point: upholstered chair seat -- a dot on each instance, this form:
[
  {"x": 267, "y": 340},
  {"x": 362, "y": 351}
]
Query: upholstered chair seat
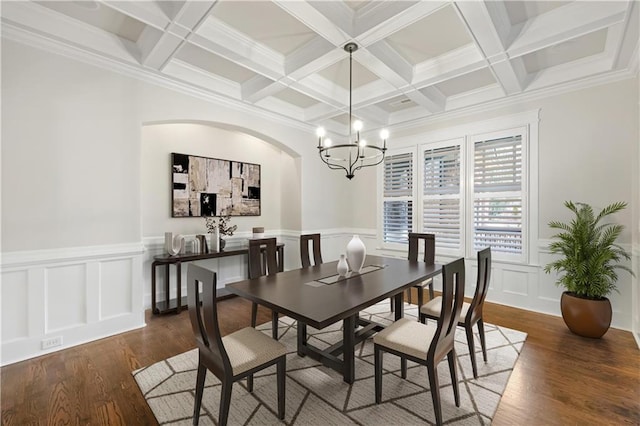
[
  {"x": 249, "y": 348},
  {"x": 401, "y": 336},
  {"x": 432, "y": 308}
]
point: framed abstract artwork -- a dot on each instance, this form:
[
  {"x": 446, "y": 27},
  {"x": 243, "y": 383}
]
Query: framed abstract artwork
[{"x": 213, "y": 187}]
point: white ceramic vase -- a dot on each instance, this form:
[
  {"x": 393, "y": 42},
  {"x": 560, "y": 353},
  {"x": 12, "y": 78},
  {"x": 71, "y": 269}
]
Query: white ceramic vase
[
  {"x": 356, "y": 252},
  {"x": 214, "y": 244},
  {"x": 343, "y": 267},
  {"x": 173, "y": 245}
]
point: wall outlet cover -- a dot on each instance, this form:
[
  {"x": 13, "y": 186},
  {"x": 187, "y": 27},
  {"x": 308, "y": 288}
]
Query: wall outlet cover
[{"x": 51, "y": 342}]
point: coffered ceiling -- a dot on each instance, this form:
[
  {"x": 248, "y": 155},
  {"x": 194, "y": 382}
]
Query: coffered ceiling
[{"x": 417, "y": 59}]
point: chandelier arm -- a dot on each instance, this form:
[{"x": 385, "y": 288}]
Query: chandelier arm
[{"x": 333, "y": 166}]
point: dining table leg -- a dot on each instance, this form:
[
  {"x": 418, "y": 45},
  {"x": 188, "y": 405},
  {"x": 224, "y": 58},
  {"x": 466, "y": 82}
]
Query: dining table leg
[
  {"x": 399, "y": 305},
  {"x": 348, "y": 354},
  {"x": 302, "y": 338}
]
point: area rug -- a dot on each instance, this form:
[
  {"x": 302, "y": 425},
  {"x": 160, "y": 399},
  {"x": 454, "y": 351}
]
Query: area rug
[{"x": 316, "y": 395}]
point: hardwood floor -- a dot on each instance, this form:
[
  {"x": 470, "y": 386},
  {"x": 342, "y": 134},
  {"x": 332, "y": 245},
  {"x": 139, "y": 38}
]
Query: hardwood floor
[{"x": 559, "y": 378}]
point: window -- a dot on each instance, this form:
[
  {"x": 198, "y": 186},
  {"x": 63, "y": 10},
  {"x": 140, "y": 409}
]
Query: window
[
  {"x": 474, "y": 191},
  {"x": 397, "y": 210},
  {"x": 498, "y": 201},
  {"x": 442, "y": 198}
]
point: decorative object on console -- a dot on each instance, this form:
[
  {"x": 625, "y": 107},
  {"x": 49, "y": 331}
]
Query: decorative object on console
[
  {"x": 356, "y": 253},
  {"x": 220, "y": 227},
  {"x": 210, "y": 186},
  {"x": 355, "y": 153},
  {"x": 202, "y": 245},
  {"x": 589, "y": 259},
  {"x": 173, "y": 245},
  {"x": 343, "y": 267},
  {"x": 258, "y": 232}
]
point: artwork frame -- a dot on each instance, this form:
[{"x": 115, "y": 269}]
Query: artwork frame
[{"x": 205, "y": 186}]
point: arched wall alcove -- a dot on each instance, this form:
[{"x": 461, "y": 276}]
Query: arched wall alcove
[{"x": 280, "y": 174}]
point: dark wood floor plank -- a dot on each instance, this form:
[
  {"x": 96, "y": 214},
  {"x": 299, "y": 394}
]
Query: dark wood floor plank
[{"x": 558, "y": 379}]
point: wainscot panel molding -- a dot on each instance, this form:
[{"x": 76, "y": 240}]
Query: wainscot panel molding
[
  {"x": 56, "y": 299},
  {"x": 528, "y": 286}
]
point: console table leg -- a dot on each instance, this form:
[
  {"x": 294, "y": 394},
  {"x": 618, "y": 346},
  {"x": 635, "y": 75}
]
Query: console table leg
[
  {"x": 154, "y": 307},
  {"x": 167, "y": 278},
  {"x": 179, "y": 288}
]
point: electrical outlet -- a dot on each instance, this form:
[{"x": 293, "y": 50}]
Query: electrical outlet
[{"x": 51, "y": 342}]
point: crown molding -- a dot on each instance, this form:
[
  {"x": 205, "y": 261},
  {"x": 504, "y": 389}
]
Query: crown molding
[
  {"x": 519, "y": 98},
  {"x": 21, "y": 35},
  {"x": 38, "y": 41}
]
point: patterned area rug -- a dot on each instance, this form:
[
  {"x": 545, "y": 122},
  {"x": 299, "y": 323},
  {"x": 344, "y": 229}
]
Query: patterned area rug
[{"x": 316, "y": 395}]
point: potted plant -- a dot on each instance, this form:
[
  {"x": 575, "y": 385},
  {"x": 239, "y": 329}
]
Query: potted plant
[{"x": 589, "y": 260}]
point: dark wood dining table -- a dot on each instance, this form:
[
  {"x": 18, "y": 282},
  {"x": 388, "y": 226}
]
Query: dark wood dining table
[{"x": 317, "y": 297}]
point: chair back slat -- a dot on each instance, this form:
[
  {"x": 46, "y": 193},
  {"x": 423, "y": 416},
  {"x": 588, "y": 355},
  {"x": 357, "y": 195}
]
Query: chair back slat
[
  {"x": 204, "y": 321},
  {"x": 263, "y": 258},
  {"x": 482, "y": 286},
  {"x": 429, "y": 247},
  {"x": 305, "y": 258},
  {"x": 452, "y": 300}
]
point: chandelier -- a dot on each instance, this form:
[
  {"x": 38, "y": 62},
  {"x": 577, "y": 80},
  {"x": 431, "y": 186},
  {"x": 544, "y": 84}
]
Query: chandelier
[{"x": 356, "y": 153}]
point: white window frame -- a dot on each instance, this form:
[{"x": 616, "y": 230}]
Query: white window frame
[
  {"x": 407, "y": 150},
  {"x": 471, "y": 194},
  {"x": 463, "y": 184},
  {"x": 527, "y": 124}
]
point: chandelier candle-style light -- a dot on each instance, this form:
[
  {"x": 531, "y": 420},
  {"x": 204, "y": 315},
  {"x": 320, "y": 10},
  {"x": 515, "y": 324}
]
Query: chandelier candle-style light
[{"x": 356, "y": 153}]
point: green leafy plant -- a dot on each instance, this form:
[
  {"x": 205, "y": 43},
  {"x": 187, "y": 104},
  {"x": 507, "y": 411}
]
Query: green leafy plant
[{"x": 590, "y": 256}]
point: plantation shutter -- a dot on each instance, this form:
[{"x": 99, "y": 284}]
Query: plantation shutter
[
  {"x": 441, "y": 214},
  {"x": 397, "y": 198},
  {"x": 498, "y": 197}
]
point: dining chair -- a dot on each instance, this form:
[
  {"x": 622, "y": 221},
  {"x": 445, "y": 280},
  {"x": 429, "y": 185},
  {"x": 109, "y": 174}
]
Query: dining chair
[
  {"x": 426, "y": 344},
  {"x": 471, "y": 313},
  {"x": 263, "y": 260},
  {"x": 428, "y": 243},
  {"x": 305, "y": 259},
  {"x": 232, "y": 357}
]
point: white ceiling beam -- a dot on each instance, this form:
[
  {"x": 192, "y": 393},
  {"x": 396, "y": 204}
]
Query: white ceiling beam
[
  {"x": 148, "y": 12},
  {"x": 338, "y": 13},
  {"x": 259, "y": 87},
  {"x": 566, "y": 22},
  {"x": 379, "y": 22},
  {"x": 372, "y": 116},
  {"x": 311, "y": 58},
  {"x": 314, "y": 19},
  {"x": 448, "y": 65},
  {"x": 386, "y": 63},
  {"x": 56, "y": 26},
  {"x": 628, "y": 46},
  {"x": 571, "y": 71},
  {"x": 430, "y": 98},
  {"x": 217, "y": 37},
  {"x": 319, "y": 112},
  {"x": 475, "y": 97},
  {"x": 195, "y": 76},
  {"x": 489, "y": 26}
]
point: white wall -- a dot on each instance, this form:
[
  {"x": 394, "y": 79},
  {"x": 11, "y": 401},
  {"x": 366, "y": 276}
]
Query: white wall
[{"x": 72, "y": 234}]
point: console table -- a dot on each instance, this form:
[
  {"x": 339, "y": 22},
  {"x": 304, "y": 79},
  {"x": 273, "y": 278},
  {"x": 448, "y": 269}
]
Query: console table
[{"x": 166, "y": 260}]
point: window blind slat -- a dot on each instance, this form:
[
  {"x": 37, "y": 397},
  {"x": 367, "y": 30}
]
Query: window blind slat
[{"x": 398, "y": 182}]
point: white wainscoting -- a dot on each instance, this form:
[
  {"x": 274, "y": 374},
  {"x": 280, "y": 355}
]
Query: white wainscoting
[
  {"x": 77, "y": 294},
  {"x": 527, "y": 286}
]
